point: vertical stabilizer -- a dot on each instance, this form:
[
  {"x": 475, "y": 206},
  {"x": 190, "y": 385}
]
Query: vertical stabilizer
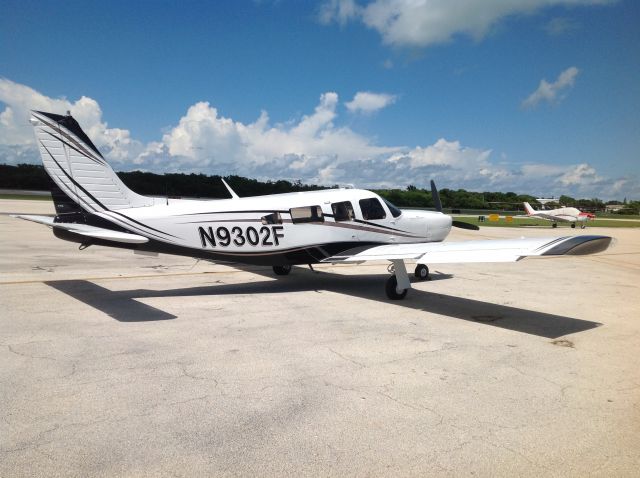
[
  {"x": 529, "y": 209},
  {"x": 77, "y": 168}
]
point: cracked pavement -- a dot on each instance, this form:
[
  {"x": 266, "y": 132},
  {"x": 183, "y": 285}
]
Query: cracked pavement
[{"x": 115, "y": 364}]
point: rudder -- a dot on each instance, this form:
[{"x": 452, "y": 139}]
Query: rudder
[{"x": 77, "y": 168}]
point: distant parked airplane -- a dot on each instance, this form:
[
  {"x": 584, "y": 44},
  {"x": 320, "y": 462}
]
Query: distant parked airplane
[{"x": 562, "y": 214}]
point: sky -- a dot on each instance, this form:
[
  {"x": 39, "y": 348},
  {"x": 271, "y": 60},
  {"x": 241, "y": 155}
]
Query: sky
[{"x": 532, "y": 96}]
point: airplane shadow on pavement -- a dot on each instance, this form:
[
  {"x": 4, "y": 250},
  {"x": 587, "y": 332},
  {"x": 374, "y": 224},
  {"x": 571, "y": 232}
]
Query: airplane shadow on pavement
[{"x": 123, "y": 306}]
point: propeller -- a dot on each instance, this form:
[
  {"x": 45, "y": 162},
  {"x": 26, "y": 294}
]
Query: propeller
[{"x": 438, "y": 205}]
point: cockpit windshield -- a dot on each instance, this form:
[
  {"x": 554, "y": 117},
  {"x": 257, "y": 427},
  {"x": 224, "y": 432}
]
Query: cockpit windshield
[{"x": 395, "y": 212}]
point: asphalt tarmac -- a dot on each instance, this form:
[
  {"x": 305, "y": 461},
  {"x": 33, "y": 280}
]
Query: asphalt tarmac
[{"x": 116, "y": 364}]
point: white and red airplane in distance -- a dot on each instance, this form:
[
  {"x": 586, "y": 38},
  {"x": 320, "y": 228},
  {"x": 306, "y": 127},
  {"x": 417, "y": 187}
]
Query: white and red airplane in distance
[
  {"x": 562, "y": 214},
  {"x": 94, "y": 207}
]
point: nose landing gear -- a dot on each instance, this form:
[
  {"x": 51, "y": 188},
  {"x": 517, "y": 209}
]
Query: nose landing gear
[
  {"x": 421, "y": 272},
  {"x": 281, "y": 270}
]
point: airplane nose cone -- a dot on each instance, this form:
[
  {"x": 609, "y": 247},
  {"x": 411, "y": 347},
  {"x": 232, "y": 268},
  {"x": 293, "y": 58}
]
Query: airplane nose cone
[{"x": 434, "y": 226}]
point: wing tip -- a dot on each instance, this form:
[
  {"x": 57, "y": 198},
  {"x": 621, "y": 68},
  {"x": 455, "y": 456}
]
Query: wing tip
[{"x": 580, "y": 246}]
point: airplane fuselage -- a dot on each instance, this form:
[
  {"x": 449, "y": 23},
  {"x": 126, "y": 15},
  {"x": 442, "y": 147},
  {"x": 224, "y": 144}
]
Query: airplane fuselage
[
  {"x": 292, "y": 228},
  {"x": 562, "y": 214}
]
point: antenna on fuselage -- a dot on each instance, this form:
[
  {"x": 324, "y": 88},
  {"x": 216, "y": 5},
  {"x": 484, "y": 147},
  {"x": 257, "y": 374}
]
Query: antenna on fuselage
[{"x": 231, "y": 191}]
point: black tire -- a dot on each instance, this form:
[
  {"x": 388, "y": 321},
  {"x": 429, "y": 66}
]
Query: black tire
[
  {"x": 390, "y": 289},
  {"x": 421, "y": 272},
  {"x": 573, "y": 225},
  {"x": 281, "y": 270},
  {"x": 554, "y": 225},
  {"x": 583, "y": 226}
]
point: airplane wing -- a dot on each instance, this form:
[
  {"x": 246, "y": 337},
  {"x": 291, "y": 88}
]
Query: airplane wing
[
  {"x": 86, "y": 230},
  {"x": 500, "y": 250}
]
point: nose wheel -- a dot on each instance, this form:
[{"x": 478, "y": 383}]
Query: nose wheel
[
  {"x": 421, "y": 272},
  {"x": 281, "y": 270}
]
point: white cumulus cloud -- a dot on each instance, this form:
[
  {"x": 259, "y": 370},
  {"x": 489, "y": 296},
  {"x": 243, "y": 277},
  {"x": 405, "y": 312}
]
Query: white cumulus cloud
[
  {"x": 420, "y": 23},
  {"x": 368, "y": 102},
  {"x": 445, "y": 153},
  {"x": 551, "y": 92},
  {"x": 15, "y": 129},
  {"x": 314, "y": 148}
]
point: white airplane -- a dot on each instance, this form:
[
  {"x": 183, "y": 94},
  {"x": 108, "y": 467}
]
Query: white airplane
[
  {"x": 562, "y": 214},
  {"x": 94, "y": 207}
]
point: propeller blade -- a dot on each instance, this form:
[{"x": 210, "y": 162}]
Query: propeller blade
[
  {"x": 465, "y": 225},
  {"x": 438, "y": 205},
  {"x": 436, "y": 197}
]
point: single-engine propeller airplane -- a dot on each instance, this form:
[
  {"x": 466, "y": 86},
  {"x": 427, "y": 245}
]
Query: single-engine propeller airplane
[
  {"x": 94, "y": 207},
  {"x": 562, "y": 214}
]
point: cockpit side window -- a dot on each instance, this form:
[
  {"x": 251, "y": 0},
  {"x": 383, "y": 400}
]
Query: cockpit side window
[
  {"x": 306, "y": 214},
  {"x": 343, "y": 211},
  {"x": 395, "y": 212},
  {"x": 372, "y": 209}
]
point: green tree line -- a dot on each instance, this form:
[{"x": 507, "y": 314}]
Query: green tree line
[{"x": 34, "y": 177}]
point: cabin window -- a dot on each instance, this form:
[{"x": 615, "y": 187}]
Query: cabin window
[
  {"x": 395, "y": 212},
  {"x": 306, "y": 214},
  {"x": 273, "y": 218},
  {"x": 343, "y": 211},
  {"x": 372, "y": 209}
]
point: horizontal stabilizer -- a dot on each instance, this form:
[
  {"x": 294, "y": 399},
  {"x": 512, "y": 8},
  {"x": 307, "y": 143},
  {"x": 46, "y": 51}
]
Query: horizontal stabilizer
[
  {"x": 86, "y": 230},
  {"x": 500, "y": 250}
]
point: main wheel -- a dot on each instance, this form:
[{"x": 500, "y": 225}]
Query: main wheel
[
  {"x": 421, "y": 272},
  {"x": 391, "y": 291},
  {"x": 281, "y": 270},
  {"x": 573, "y": 225},
  {"x": 554, "y": 225}
]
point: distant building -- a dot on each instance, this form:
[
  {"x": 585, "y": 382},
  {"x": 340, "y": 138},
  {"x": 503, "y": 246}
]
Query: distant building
[{"x": 614, "y": 207}]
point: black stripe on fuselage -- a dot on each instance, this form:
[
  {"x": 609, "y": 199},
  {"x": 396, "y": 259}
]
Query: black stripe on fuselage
[
  {"x": 377, "y": 225},
  {"x": 339, "y": 224},
  {"x": 311, "y": 254},
  {"x": 142, "y": 224},
  {"x": 286, "y": 211},
  {"x": 254, "y": 211}
]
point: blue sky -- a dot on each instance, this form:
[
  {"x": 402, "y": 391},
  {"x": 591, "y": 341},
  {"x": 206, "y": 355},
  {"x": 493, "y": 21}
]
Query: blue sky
[{"x": 533, "y": 96}]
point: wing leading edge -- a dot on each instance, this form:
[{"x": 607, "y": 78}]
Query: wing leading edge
[{"x": 501, "y": 250}]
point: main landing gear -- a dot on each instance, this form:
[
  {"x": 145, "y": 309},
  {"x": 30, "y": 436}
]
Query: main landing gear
[{"x": 398, "y": 284}]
